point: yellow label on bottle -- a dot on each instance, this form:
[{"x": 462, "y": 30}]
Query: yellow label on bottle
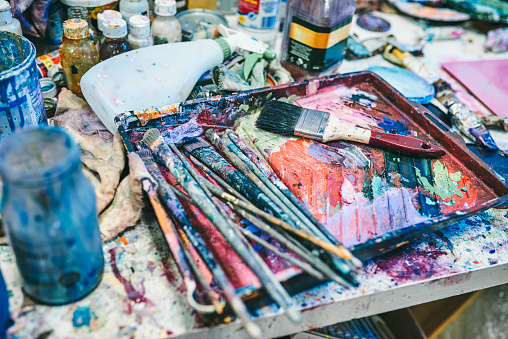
[{"x": 318, "y": 40}]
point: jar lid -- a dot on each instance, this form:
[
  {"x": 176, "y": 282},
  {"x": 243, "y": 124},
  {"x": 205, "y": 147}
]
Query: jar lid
[
  {"x": 75, "y": 29},
  {"x": 139, "y": 21},
  {"x": 114, "y": 28},
  {"x": 165, "y": 7},
  {"x": 139, "y": 26},
  {"x": 48, "y": 88},
  {"x": 5, "y": 13},
  {"x": 105, "y": 15}
]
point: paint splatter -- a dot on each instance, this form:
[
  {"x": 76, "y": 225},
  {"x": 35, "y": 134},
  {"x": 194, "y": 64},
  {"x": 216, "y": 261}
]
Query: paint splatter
[
  {"x": 81, "y": 317},
  {"x": 393, "y": 126},
  {"x": 446, "y": 182}
]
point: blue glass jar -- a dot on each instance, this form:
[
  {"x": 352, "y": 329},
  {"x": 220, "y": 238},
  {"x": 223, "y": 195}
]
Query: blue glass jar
[{"x": 48, "y": 210}]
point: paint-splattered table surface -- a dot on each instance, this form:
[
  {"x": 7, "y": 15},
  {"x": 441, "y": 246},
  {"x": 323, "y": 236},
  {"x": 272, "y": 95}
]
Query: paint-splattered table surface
[{"x": 142, "y": 295}]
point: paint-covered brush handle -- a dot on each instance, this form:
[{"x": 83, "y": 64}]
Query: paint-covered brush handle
[{"x": 405, "y": 144}]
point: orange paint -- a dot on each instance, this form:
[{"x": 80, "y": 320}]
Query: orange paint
[{"x": 123, "y": 240}]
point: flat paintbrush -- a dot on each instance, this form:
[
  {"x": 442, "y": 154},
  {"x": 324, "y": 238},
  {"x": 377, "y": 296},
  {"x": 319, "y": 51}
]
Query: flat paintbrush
[{"x": 287, "y": 119}]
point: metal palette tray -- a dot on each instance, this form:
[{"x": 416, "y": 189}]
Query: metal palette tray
[{"x": 372, "y": 200}]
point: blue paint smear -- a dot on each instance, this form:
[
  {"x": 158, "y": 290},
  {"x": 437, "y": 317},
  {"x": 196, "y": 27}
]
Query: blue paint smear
[
  {"x": 393, "y": 126},
  {"x": 81, "y": 317}
]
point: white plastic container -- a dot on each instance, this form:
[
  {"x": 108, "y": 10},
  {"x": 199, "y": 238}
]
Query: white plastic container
[
  {"x": 7, "y": 22},
  {"x": 130, "y": 8},
  {"x": 157, "y": 75},
  {"x": 259, "y": 19},
  {"x": 106, "y": 15},
  {"x": 166, "y": 28},
  {"x": 139, "y": 35}
]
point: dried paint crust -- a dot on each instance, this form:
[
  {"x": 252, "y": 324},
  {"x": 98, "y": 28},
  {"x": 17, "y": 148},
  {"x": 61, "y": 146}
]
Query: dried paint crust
[{"x": 371, "y": 200}]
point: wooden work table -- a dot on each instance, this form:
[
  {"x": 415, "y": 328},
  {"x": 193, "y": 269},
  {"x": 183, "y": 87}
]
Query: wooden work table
[{"x": 142, "y": 295}]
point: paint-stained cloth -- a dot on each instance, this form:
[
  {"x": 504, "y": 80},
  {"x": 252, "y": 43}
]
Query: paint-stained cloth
[
  {"x": 32, "y": 14},
  {"x": 118, "y": 203}
]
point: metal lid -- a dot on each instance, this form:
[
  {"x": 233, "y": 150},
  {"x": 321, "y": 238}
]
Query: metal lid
[
  {"x": 114, "y": 28},
  {"x": 139, "y": 26},
  {"x": 165, "y": 7},
  {"x": 105, "y": 15},
  {"x": 75, "y": 29},
  {"x": 5, "y": 13}
]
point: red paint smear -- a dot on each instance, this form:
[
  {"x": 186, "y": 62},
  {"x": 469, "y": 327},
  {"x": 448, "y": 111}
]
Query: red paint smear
[
  {"x": 469, "y": 196},
  {"x": 132, "y": 294}
]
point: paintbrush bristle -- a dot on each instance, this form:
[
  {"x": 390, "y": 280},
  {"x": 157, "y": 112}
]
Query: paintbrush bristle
[
  {"x": 191, "y": 145},
  {"x": 145, "y": 154},
  {"x": 279, "y": 117},
  {"x": 151, "y": 136}
]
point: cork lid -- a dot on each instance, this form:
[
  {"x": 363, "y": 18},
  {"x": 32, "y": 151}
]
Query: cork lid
[{"x": 75, "y": 29}]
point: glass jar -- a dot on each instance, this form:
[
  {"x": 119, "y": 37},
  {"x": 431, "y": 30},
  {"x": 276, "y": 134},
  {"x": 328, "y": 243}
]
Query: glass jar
[
  {"x": 165, "y": 27},
  {"x": 115, "y": 42},
  {"x": 49, "y": 213},
  {"x": 77, "y": 53},
  {"x": 78, "y": 12}
]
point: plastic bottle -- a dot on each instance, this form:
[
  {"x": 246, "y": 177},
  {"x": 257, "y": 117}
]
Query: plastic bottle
[
  {"x": 103, "y": 16},
  {"x": 140, "y": 35},
  {"x": 315, "y": 36},
  {"x": 49, "y": 213},
  {"x": 77, "y": 53},
  {"x": 78, "y": 12},
  {"x": 173, "y": 71},
  {"x": 115, "y": 33},
  {"x": 259, "y": 19},
  {"x": 7, "y": 22},
  {"x": 130, "y": 8},
  {"x": 166, "y": 27}
]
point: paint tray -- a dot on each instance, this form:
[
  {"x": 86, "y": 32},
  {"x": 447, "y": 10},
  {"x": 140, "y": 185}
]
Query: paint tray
[{"x": 372, "y": 200}]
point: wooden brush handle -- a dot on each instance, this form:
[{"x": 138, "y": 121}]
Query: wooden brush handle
[{"x": 404, "y": 144}]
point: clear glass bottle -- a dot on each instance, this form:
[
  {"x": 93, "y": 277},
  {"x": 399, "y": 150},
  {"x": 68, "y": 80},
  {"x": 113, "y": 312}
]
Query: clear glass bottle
[
  {"x": 166, "y": 27},
  {"x": 78, "y": 12},
  {"x": 7, "y": 22},
  {"x": 315, "y": 35},
  {"x": 115, "y": 42},
  {"x": 130, "y": 8},
  {"x": 77, "y": 53},
  {"x": 49, "y": 213},
  {"x": 140, "y": 35}
]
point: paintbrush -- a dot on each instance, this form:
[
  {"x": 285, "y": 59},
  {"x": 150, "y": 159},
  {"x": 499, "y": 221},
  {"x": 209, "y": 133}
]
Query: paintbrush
[
  {"x": 156, "y": 143},
  {"x": 287, "y": 119},
  {"x": 286, "y": 240},
  {"x": 302, "y": 265},
  {"x": 154, "y": 140},
  {"x": 170, "y": 233},
  {"x": 190, "y": 235},
  {"x": 256, "y": 161},
  {"x": 263, "y": 272},
  {"x": 205, "y": 153}
]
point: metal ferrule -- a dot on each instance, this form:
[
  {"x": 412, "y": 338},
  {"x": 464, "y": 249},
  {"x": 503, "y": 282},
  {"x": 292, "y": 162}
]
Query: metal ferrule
[{"x": 312, "y": 124}]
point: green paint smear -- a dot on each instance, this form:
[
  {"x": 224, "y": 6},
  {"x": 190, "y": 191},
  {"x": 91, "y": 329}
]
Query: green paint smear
[
  {"x": 378, "y": 188},
  {"x": 445, "y": 183}
]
